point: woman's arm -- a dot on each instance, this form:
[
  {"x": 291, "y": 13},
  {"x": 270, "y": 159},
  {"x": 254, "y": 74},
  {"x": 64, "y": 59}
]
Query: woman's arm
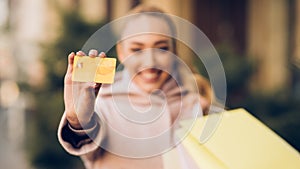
[
  {"x": 79, "y": 97},
  {"x": 79, "y": 128}
]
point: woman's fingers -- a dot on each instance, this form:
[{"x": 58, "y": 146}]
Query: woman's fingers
[
  {"x": 80, "y": 53},
  {"x": 93, "y": 53},
  {"x": 205, "y": 104},
  {"x": 71, "y": 58},
  {"x": 70, "y": 63},
  {"x": 102, "y": 55}
]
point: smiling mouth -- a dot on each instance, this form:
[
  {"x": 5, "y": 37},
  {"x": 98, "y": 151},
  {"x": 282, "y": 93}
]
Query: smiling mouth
[{"x": 150, "y": 75}]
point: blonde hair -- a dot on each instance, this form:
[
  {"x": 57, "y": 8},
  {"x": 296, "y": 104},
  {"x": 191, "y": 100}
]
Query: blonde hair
[{"x": 157, "y": 12}]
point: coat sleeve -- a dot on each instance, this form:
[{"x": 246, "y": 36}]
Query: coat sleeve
[{"x": 80, "y": 142}]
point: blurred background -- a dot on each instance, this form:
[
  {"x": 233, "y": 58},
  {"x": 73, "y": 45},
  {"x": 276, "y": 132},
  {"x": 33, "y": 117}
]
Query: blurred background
[{"x": 258, "y": 43}]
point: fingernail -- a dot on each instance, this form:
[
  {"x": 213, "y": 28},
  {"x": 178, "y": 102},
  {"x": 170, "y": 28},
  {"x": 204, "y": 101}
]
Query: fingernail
[{"x": 93, "y": 52}]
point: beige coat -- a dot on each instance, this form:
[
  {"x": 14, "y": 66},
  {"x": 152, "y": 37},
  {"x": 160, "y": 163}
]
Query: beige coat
[{"x": 121, "y": 138}]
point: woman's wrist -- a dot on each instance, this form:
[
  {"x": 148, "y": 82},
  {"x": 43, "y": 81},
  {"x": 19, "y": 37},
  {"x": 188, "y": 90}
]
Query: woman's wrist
[
  {"x": 76, "y": 123},
  {"x": 81, "y": 130}
]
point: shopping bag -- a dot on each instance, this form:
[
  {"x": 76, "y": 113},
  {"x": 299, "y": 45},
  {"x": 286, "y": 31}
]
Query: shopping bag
[{"x": 240, "y": 141}]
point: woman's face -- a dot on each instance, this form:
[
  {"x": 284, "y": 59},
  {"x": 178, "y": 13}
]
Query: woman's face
[{"x": 147, "y": 56}]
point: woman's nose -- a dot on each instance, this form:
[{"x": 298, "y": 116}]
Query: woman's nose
[{"x": 149, "y": 59}]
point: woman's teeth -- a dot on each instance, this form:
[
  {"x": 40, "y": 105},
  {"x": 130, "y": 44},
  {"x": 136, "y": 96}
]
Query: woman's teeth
[{"x": 150, "y": 75}]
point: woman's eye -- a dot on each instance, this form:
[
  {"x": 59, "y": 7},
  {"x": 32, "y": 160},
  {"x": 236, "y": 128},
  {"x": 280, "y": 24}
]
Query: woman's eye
[
  {"x": 165, "y": 48},
  {"x": 135, "y": 49}
]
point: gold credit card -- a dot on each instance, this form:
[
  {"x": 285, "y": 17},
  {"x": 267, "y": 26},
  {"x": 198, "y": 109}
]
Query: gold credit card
[{"x": 99, "y": 70}]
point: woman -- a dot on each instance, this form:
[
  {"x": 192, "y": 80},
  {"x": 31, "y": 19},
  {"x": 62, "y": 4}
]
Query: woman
[{"x": 148, "y": 97}]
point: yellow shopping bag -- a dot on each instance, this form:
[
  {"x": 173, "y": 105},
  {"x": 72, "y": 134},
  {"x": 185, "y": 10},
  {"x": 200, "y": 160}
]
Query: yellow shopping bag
[{"x": 239, "y": 142}]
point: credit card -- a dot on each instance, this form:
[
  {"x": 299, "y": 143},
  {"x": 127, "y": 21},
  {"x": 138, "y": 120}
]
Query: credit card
[{"x": 99, "y": 70}]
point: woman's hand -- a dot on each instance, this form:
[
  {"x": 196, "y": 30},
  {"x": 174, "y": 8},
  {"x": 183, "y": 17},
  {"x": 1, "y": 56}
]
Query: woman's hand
[
  {"x": 79, "y": 97},
  {"x": 206, "y": 93}
]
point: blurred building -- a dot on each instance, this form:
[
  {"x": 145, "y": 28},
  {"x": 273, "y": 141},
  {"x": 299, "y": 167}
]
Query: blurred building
[
  {"x": 266, "y": 31},
  {"x": 21, "y": 30}
]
